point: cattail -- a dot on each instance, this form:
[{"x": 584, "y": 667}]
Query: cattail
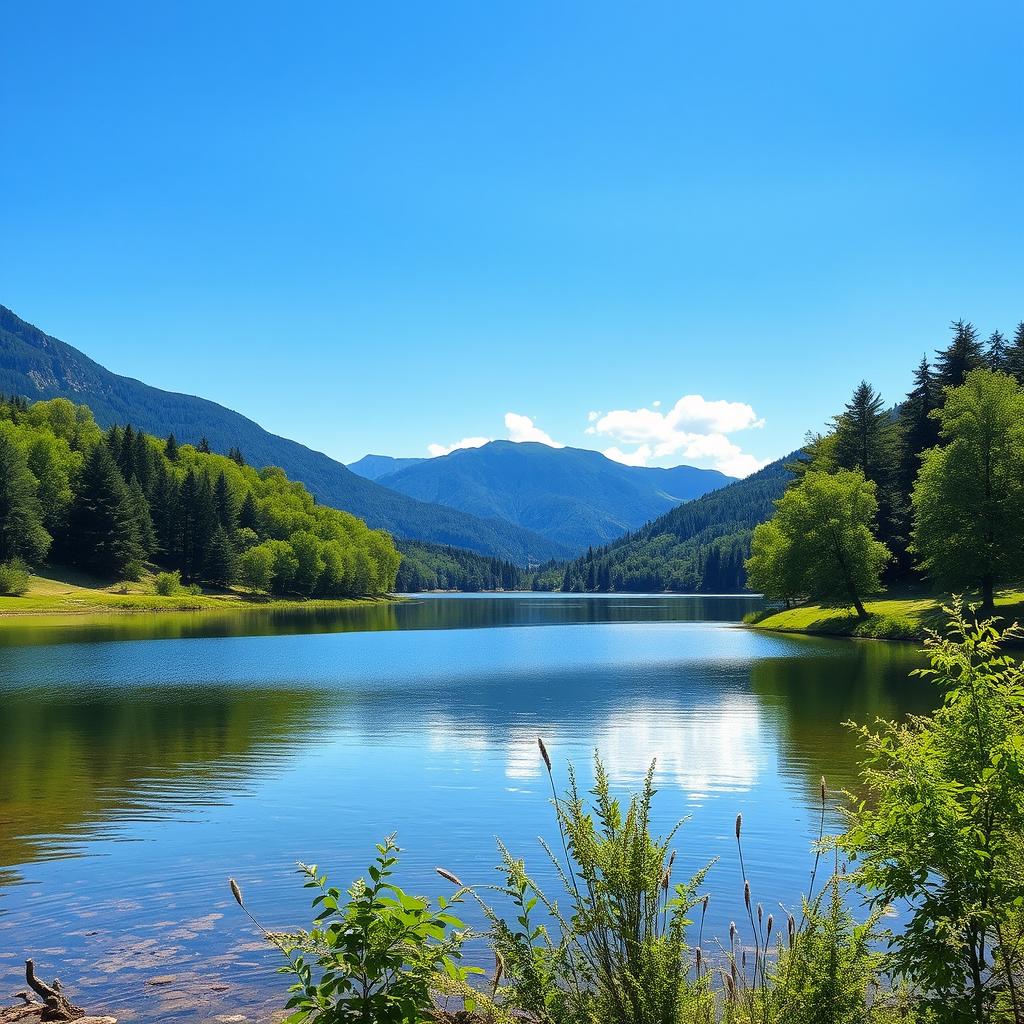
[
  {"x": 732, "y": 933},
  {"x": 699, "y": 957},
  {"x": 706, "y": 901},
  {"x": 739, "y": 824},
  {"x": 746, "y": 894},
  {"x": 843, "y": 868},
  {"x": 499, "y": 969},
  {"x": 235, "y": 891},
  {"x": 544, "y": 753},
  {"x": 448, "y": 876},
  {"x": 760, "y": 914},
  {"x": 730, "y": 987},
  {"x": 732, "y": 972},
  {"x": 824, "y": 791},
  {"x": 743, "y": 961},
  {"x": 791, "y": 925},
  {"x": 771, "y": 921}
]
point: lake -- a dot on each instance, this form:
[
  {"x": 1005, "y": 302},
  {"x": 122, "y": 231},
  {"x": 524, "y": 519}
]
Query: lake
[{"x": 145, "y": 759}]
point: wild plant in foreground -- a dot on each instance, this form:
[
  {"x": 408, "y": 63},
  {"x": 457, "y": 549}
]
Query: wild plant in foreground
[
  {"x": 616, "y": 949},
  {"x": 942, "y": 829},
  {"x": 377, "y": 957}
]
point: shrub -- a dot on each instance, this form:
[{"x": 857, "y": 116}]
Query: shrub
[
  {"x": 14, "y": 577},
  {"x": 941, "y": 829},
  {"x": 167, "y": 584},
  {"x": 377, "y": 956}
]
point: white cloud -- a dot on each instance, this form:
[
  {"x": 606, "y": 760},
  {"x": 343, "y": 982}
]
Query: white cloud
[
  {"x": 522, "y": 428},
  {"x": 694, "y": 428},
  {"x": 638, "y": 458},
  {"x": 592, "y": 416},
  {"x": 467, "y": 442}
]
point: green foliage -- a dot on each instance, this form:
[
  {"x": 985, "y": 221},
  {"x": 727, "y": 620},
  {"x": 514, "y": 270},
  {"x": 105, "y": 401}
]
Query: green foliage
[
  {"x": 22, "y": 534},
  {"x": 969, "y": 497},
  {"x": 820, "y": 542},
  {"x": 942, "y": 829},
  {"x": 619, "y": 952},
  {"x": 699, "y": 547},
  {"x": 436, "y": 567},
  {"x": 115, "y": 501},
  {"x": 375, "y": 958},
  {"x": 14, "y": 577},
  {"x": 168, "y": 584}
]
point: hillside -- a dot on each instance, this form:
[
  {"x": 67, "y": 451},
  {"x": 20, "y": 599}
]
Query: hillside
[
  {"x": 572, "y": 496},
  {"x": 697, "y": 547},
  {"x": 373, "y": 467},
  {"x": 37, "y": 366}
]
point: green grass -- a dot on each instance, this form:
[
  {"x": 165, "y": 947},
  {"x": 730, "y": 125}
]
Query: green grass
[
  {"x": 889, "y": 618},
  {"x": 63, "y": 593}
]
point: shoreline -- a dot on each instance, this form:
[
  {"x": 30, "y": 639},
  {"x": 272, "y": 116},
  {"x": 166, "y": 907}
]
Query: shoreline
[{"x": 904, "y": 619}]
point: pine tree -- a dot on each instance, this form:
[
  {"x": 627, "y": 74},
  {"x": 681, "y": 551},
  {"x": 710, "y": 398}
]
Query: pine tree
[
  {"x": 866, "y": 436},
  {"x": 227, "y": 507},
  {"x": 204, "y": 445},
  {"x": 125, "y": 455},
  {"x": 1015, "y": 354},
  {"x": 996, "y": 353},
  {"x": 963, "y": 355},
  {"x": 143, "y": 519},
  {"x": 198, "y": 521},
  {"x": 164, "y": 513},
  {"x": 171, "y": 448},
  {"x": 248, "y": 514},
  {"x": 919, "y": 430},
  {"x": 144, "y": 462},
  {"x": 221, "y": 565},
  {"x": 236, "y": 456},
  {"x": 22, "y": 534},
  {"x": 103, "y": 526}
]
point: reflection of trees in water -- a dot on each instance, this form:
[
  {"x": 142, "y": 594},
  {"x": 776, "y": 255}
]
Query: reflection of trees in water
[
  {"x": 826, "y": 683},
  {"x": 72, "y": 763},
  {"x": 418, "y": 613}
]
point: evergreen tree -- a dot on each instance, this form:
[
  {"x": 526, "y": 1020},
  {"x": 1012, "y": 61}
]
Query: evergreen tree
[
  {"x": 236, "y": 456},
  {"x": 963, "y": 355},
  {"x": 197, "y": 522},
  {"x": 221, "y": 565},
  {"x": 125, "y": 455},
  {"x": 227, "y": 507},
  {"x": 143, "y": 519},
  {"x": 865, "y": 436},
  {"x": 22, "y": 534},
  {"x": 204, "y": 445},
  {"x": 144, "y": 462},
  {"x": 103, "y": 525},
  {"x": 997, "y": 353},
  {"x": 171, "y": 448},
  {"x": 248, "y": 514},
  {"x": 164, "y": 514},
  {"x": 1015, "y": 354}
]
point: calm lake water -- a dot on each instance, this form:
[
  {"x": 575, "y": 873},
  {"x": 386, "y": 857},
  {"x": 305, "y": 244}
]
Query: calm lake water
[{"x": 147, "y": 759}]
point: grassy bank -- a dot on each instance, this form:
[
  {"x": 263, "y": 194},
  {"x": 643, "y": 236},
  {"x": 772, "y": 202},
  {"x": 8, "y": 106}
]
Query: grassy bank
[
  {"x": 60, "y": 593},
  {"x": 889, "y": 618}
]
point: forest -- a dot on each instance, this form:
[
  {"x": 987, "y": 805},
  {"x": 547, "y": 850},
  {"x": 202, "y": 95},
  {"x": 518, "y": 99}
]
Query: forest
[
  {"x": 440, "y": 567},
  {"x": 119, "y": 503},
  {"x": 930, "y": 492}
]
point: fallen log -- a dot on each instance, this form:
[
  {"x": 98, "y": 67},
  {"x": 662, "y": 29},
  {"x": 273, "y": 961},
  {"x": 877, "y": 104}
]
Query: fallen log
[{"x": 55, "y": 1006}]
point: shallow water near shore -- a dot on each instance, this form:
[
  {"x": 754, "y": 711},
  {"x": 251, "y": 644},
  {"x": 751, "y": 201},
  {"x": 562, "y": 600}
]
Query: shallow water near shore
[{"x": 136, "y": 777}]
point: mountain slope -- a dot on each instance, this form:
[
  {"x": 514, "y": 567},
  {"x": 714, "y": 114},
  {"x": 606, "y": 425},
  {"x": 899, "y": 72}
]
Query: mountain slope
[
  {"x": 697, "y": 547},
  {"x": 573, "y": 496},
  {"x": 373, "y": 467},
  {"x": 36, "y": 365}
]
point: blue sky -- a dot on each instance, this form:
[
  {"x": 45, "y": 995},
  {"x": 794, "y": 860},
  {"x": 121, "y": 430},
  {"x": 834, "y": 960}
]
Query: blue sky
[{"x": 385, "y": 227}]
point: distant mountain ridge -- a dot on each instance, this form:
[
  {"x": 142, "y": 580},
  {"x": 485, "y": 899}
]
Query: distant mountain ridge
[
  {"x": 575, "y": 497},
  {"x": 698, "y": 547},
  {"x": 36, "y": 365},
  {"x": 373, "y": 467}
]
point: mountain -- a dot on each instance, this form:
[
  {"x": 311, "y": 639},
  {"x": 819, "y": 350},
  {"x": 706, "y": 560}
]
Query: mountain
[
  {"x": 373, "y": 467},
  {"x": 573, "y": 496},
  {"x": 697, "y": 547},
  {"x": 36, "y": 365}
]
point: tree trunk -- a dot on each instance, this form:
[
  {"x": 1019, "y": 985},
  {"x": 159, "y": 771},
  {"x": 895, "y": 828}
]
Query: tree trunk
[
  {"x": 988, "y": 601},
  {"x": 858, "y": 607}
]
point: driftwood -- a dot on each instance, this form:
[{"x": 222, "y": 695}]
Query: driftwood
[{"x": 55, "y": 1006}]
